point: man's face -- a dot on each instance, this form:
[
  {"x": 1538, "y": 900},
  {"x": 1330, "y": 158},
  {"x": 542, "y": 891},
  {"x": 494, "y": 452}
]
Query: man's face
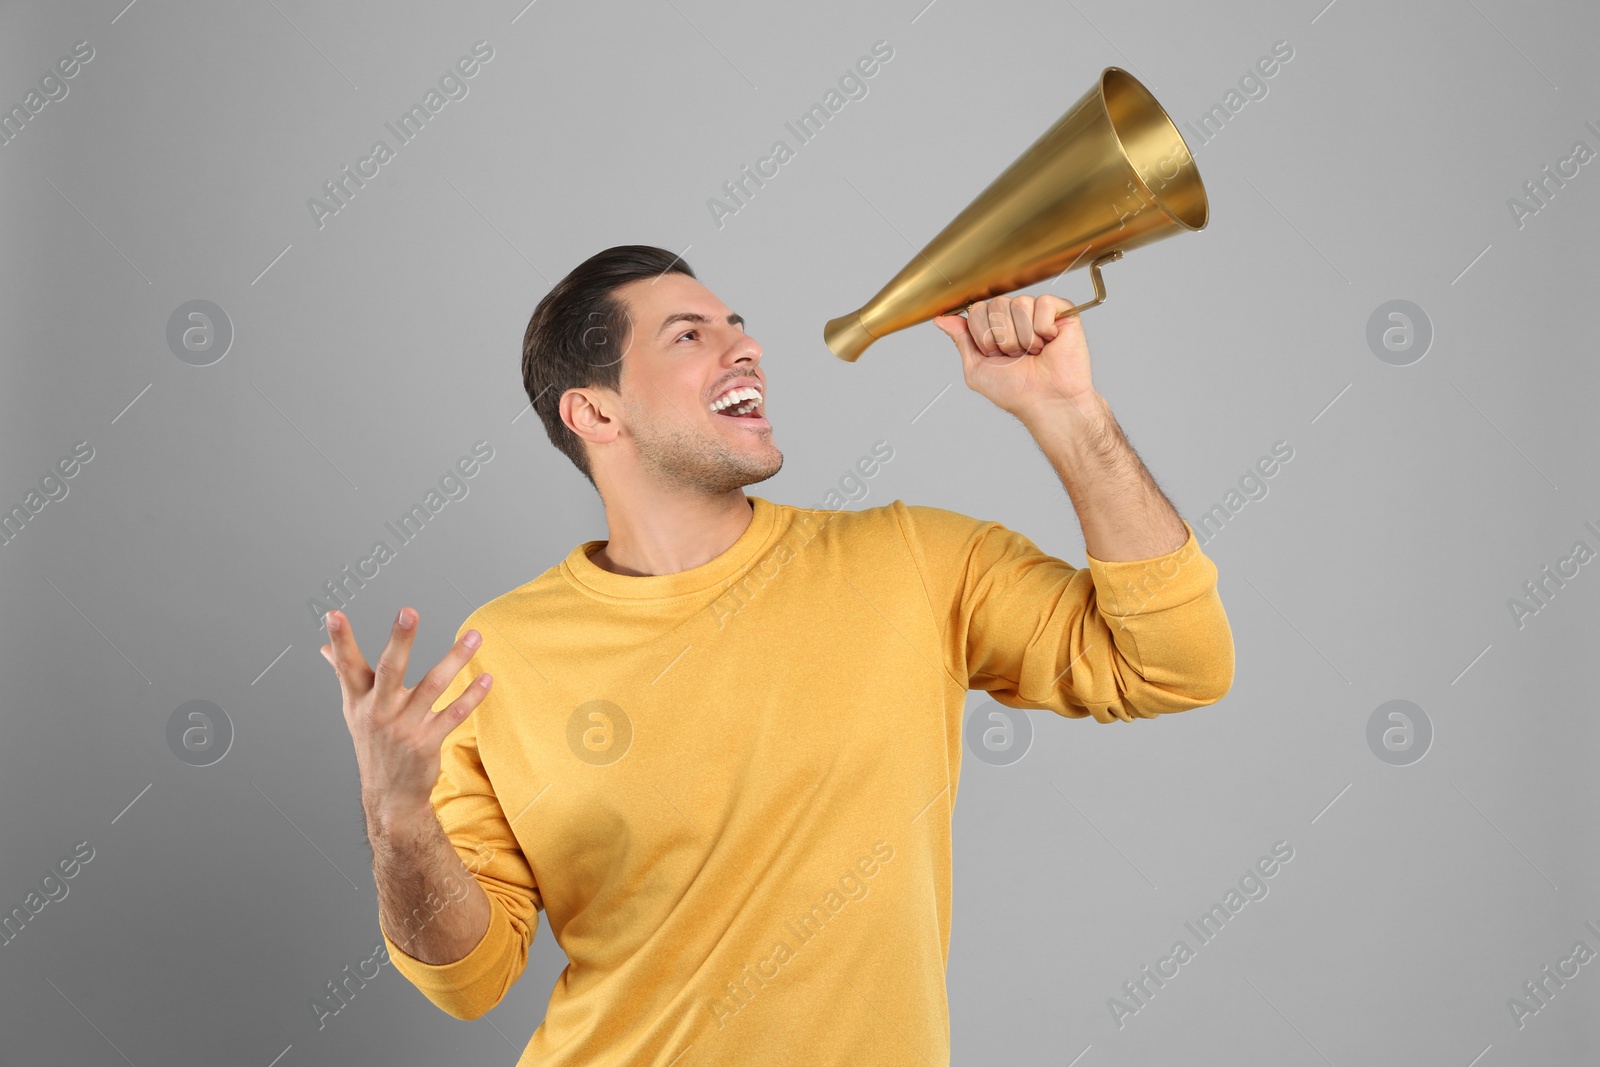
[{"x": 687, "y": 351}]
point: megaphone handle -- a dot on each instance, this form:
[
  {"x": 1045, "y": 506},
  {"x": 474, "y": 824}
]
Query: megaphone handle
[
  {"x": 1099, "y": 284},
  {"x": 1094, "y": 276}
]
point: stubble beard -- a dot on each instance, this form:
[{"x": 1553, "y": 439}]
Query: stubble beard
[{"x": 700, "y": 462}]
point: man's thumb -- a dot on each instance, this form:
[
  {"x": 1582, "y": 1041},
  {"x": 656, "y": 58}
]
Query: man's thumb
[{"x": 953, "y": 326}]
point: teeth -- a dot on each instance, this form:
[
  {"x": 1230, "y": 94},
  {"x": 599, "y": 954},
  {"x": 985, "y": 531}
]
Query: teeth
[{"x": 737, "y": 396}]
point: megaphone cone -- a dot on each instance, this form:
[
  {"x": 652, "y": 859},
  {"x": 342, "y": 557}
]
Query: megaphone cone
[{"x": 1111, "y": 175}]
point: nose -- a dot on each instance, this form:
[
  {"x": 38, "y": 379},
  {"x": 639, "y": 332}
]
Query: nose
[{"x": 745, "y": 349}]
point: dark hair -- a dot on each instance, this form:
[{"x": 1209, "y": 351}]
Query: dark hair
[{"x": 579, "y": 332}]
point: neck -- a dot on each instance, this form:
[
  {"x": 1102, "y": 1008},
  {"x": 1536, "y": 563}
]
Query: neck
[{"x": 664, "y": 532}]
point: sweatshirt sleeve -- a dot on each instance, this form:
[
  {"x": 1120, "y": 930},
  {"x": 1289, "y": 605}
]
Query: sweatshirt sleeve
[
  {"x": 1117, "y": 640},
  {"x": 465, "y": 802}
]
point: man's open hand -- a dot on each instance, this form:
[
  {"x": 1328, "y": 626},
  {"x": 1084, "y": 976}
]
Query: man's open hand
[
  {"x": 396, "y": 732},
  {"x": 1016, "y": 353}
]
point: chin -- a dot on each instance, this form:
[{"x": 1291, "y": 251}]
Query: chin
[{"x": 764, "y": 471}]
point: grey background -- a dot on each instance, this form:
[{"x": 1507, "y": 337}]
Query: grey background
[{"x": 369, "y": 354}]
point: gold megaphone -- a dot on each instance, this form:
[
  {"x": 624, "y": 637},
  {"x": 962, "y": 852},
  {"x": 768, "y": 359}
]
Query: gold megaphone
[{"x": 1112, "y": 174}]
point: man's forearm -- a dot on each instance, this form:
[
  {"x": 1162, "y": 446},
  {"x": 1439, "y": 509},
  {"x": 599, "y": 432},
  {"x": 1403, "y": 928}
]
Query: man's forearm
[
  {"x": 1123, "y": 513},
  {"x": 429, "y": 903}
]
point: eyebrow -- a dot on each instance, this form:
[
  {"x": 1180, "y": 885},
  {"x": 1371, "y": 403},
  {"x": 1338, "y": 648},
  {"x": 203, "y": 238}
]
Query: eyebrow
[{"x": 734, "y": 319}]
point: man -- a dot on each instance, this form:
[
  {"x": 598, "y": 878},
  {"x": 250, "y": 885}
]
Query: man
[{"x": 722, "y": 746}]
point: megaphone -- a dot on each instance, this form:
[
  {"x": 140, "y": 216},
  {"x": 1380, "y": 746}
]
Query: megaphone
[{"x": 1113, "y": 174}]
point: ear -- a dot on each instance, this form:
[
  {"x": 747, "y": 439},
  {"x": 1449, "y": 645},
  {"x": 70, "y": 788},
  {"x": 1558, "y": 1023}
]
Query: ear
[{"x": 587, "y": 413}]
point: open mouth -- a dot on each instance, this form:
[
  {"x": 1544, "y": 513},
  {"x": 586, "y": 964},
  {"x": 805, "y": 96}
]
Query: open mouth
[{"x": 742, "y": 403}]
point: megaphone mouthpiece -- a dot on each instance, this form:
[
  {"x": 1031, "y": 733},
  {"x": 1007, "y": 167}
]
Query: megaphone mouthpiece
[{"x": 847, "y": 337}]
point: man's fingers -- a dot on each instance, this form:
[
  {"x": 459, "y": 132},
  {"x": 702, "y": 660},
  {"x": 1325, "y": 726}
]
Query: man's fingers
[
  {"x": 1001, "y": 330},
  {"x": 994, "y": 324},
  {"x": 445, "y": 671},
  {"x": 451, "y": 715},
  {"x": 978, "y": 327},
  {"x": 1010, "y": 326},
  {"x": 348, "y": 662},
  {"x": 390, "y": 672},
  {"x": 1022, "y": 325},
  {"x": 1045, "y": 310}
]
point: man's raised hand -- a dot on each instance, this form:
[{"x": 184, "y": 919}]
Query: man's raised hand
[
  {"x": 397, "y": 734},
  {"x": 1018, "y": 354}
]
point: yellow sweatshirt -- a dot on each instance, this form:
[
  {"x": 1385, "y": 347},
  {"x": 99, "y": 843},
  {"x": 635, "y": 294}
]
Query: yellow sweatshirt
[{"x": 730, "y": 789}]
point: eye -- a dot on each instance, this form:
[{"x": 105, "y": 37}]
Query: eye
[{"x": 686, "y": 333}]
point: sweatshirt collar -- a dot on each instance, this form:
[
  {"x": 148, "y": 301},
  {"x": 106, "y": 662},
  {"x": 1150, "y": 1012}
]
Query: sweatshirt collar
[{"x": 583, "y": 572}]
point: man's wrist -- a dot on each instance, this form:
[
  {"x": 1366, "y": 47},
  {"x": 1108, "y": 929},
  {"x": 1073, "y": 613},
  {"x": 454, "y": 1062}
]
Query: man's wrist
[
  {"x": 1084, "y": 420},
  {"x": 390, "y": 823}
]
